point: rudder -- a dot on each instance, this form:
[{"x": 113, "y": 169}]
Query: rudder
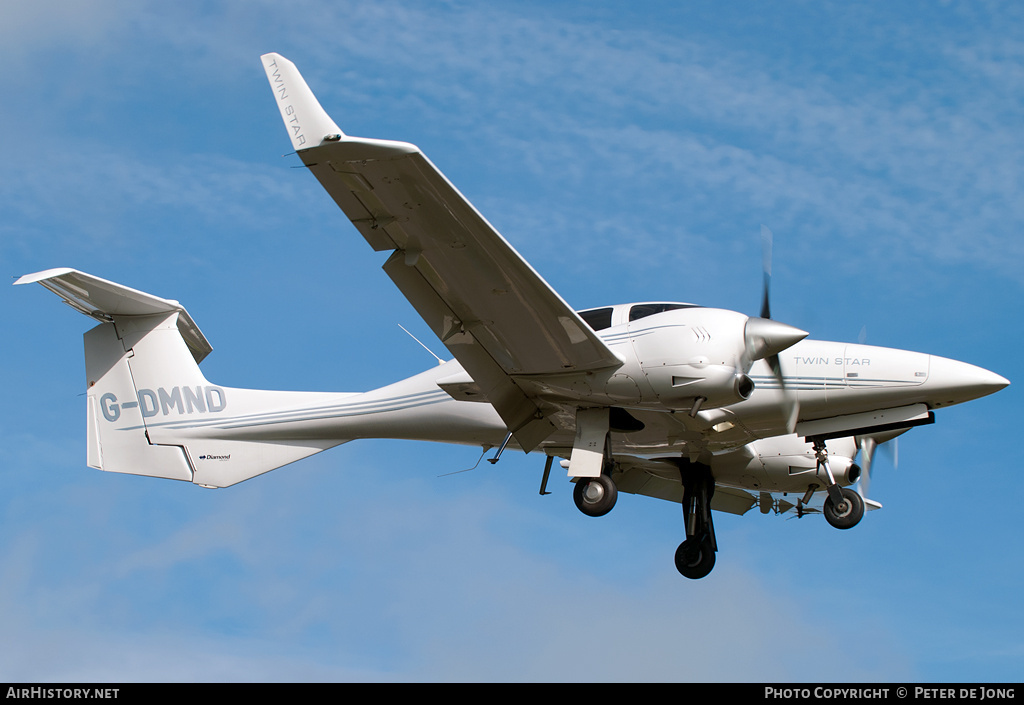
[{"x": 118, "y": 440}]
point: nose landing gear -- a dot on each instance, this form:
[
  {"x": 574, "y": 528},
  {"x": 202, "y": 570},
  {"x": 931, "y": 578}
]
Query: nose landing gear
[
  {"x": 847, "y": 513},
  {"x": 843, "y": 508}
]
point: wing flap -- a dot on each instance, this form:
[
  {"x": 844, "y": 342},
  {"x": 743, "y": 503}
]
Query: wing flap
[{"x": 520, "y": 413}]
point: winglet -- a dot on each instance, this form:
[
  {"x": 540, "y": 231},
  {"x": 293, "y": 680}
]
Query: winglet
[{"x": 307, "y": 122}]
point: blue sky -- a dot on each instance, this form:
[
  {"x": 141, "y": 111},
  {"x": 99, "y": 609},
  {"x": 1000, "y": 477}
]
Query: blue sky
[{"x": 628, "y": 154}]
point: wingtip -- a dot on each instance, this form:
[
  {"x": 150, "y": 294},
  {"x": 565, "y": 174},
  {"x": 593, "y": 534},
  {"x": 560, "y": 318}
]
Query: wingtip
[
  {"x": 307, "y": 123},
  {"x": 45, "y": 274}
]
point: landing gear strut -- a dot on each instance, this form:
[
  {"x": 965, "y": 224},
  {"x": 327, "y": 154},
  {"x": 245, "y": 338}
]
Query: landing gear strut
[
  {"x": 695, "y": 556},
  {"x": 843, "y": 508},
  {"x": 594, "y": 496}
]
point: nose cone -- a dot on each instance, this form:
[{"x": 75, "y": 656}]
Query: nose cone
[
  {"x": 766, "y": 337},
  {"x": 957, "y": 382}
]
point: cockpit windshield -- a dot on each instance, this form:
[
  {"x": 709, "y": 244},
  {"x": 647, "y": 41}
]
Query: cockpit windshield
[
  {"x": 601, "y": 318},
  {"x": 598, "y": 318},
  {"x": 639, "y": 311}
]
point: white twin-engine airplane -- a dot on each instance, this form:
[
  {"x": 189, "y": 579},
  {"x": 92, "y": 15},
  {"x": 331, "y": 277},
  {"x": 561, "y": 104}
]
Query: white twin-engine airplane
[{"x": 700, "y": 406}]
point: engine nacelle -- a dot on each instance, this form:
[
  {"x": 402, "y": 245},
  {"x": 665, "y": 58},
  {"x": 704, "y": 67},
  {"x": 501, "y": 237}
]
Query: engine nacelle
[
  {"x": 849, "y": 475},
  {"x": 679, "y": 386},
  {"x": 790, "y": 464},
  {"x": 694, "y": 357},
  {"x": 697, "y": 358},
  {"x": 685, "y": 359}
]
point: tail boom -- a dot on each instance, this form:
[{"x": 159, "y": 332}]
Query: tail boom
[{"x": 151, "y": 411}]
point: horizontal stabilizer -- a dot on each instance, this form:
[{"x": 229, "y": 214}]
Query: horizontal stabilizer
[{"x": 103, "y": 300}]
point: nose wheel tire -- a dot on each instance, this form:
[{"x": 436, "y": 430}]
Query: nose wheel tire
[
  {"x": 848, "y": 513},
  {"x": 595, "y": 496},
  {"x": 695, "y": 559}
]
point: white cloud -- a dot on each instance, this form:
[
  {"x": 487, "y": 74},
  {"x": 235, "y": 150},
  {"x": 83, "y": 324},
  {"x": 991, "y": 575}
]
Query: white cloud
[{"x": 403, "y": 584}]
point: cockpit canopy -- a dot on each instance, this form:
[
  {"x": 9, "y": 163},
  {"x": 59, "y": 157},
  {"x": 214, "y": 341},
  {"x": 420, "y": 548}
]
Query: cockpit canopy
[{"x": 601, "y": 318}]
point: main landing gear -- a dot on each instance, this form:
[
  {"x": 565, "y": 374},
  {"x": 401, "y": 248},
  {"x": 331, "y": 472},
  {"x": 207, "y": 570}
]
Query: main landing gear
[
  {"x": 595, "y": 496},
  {"x": 844, "y": 508},
  {"x": 695, "y": 556}
]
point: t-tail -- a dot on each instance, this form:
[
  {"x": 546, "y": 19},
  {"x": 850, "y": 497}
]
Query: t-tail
[{"x": 150, "y": 409}]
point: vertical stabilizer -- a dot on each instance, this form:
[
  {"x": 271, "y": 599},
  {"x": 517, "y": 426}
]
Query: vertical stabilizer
[{"x": 151, "y": 411}]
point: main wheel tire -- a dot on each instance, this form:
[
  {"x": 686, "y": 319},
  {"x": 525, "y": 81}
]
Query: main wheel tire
[
  {"x": 695, "y": 559},
  {"x": 848, "y": 514},
  {"x": 595, "y": 496}
]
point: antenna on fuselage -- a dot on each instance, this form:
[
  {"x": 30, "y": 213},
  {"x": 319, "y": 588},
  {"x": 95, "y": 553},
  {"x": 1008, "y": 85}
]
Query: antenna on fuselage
[
  {"x": 439, "y": 360},
  {"x": 482, "y": 454}
]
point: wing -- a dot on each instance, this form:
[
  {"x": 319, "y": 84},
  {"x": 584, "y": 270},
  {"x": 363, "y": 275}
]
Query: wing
[{"x": 489, "y": 307}]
